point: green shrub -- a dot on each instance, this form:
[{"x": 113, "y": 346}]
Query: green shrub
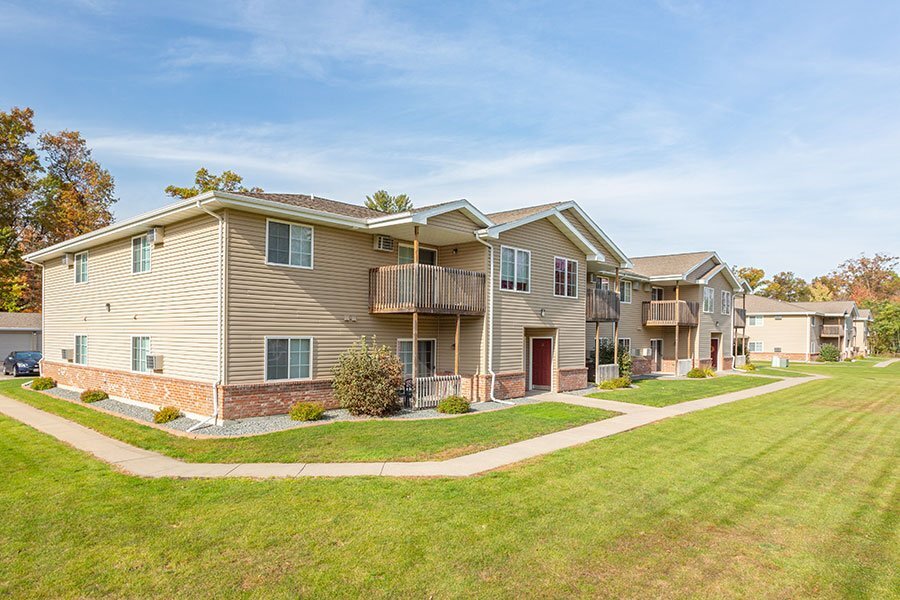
[
  {"x": 166, "y": 414},
  {"x": 625, "y": 361},
  {"x": 748, "y": 367},
  {"x": 43, "y": 383},
  {"x": 453, "y": 405},
  {"x": 829, "y": 353},
  {"x": 848, "y": 359},
  {"x": 614, "y": 384},
  {"x": 710, "y": 372},
  {"x": 366, "y": 378},
  {"x": 859, "y": 357},
  {"x": 696, "y": 373},
  {"x": 93, "y": 396},
  {"x": 307, "y": 411}
]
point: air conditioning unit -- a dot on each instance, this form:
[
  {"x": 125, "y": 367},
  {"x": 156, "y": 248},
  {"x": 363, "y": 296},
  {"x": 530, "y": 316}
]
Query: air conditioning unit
[
  {"x": 68, "y": 259},
  {"x": 385, "y": 243},
  {"x": 646, "y": 351},
  {"x": 636, "y": 352},
  {"x": 155, "y": 362},
  {"x": 155, "y": 235},
  {"x": 68, "y": 354}
]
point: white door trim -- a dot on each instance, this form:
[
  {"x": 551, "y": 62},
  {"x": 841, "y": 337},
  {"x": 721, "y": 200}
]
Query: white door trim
[{"x": 531, "y": 359}]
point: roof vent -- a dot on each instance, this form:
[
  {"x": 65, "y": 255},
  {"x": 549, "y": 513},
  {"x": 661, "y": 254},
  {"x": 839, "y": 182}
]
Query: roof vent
[{"x": 385, "y": 243}]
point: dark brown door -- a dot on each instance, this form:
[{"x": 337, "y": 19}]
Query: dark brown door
[
  {"x": 541, "y": 362},
  {"x": 714, "y": 352},
  {"x": 656, "y": 348}
]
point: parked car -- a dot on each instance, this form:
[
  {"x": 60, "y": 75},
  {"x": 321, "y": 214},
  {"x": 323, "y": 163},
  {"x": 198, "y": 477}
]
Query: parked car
[{"x": 22, "y": 362}]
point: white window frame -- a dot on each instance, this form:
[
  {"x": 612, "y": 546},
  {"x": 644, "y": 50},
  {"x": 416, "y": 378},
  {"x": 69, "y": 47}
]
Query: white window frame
[
  {"x": 726, "y": 302},
  {"x": 710, "y": 293},
  {"x": 566, "y": 283},
  {"x": 312, "y": 245},
  {"x": 421, "y": 247},
  {"x": 434, "y": 354},
  {"x": 268, "y": 338},
  {"x": 755, "y": 320},
  {"x": 662, "y": 293},
  {"x": 86, "y": 267},
  {"x": 84, "y": 356},
  {"x": 604, "y": 283},
  {"x": 750, "y": 346},
  {"x": 627, "y": 345},
  {"x": 515, "y": 270},
  {"x": 623, "y": 284},
  {"x": 149, "y": 254},
  {"x": 131, "y": 352}
]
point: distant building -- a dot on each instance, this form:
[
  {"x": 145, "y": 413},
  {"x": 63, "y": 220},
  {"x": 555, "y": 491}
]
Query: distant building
[{"x": 19, "y": 331}]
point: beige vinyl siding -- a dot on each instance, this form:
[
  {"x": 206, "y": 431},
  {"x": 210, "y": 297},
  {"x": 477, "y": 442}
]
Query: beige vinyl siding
[
  {"x": 702, "y": 270},
  {"x": 454, "y": 220},
  {"x": 471, "y": 256},
  {"x": 588, "y": 233},
  {"x": 708, "y": 320},
  {"x": 175, "y": 303},
  {"x": 328, "y": 302},
  {"x": 516, "y": 312},
  {"x": 788, "y": 333}
]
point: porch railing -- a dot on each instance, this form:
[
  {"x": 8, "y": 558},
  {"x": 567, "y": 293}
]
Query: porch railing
[
  {"x": 607, "y": 372},
  {"x": 670, "y": 312},
  {"x": 740, "y": 360},
  {"x": 428, "y": 391},
  {"x": 602, "y": 306},
  {"x": 832, "y": 330},
  {"x": 422, "y": 288}
]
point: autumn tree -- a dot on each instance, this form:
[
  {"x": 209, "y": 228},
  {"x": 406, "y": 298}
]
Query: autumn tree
[
  {"x": 384, "y": 202},
  {"x": 820, "y": 290},
  {"x": 785, "y": 286},
  {"x": 752, "y": 275},
  {"x": 865, "y": 279},
  {"x": 204, "y": 181}
]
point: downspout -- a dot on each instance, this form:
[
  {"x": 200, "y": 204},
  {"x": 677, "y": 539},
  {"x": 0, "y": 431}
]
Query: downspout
[
  {"x": 491, "y": 321},
  {"x": 219, "y": 322}
]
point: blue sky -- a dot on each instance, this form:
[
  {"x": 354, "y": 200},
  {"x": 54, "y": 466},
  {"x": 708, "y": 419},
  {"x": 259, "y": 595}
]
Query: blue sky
[{"x": 768, "y": 131}]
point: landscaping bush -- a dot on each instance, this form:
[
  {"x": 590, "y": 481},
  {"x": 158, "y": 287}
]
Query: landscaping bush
[
  {"x": 848, "y": 359},
  {"x": 748, "y": 367},
  {"x": 366, "y": 379},
  {"x": 166, "y": 414},
  {"x": 614, "y": 384},
  {"x": 829, "y": 353},
  {"x": 43, "y": 383},
  {"x": 710, "y": 372},
  {"x": 453, "y": 405},
  {"x": 625, "y": 364},
  {"x": 696, "y": 373},
  {"x": 307, "y": 411},
  {"x": 859, "y": 357},
  {"x": 93, "y": 396}
]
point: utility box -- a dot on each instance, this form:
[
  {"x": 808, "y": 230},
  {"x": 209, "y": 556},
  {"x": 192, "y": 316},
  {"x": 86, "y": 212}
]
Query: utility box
[{"x": 780, "y": 362}]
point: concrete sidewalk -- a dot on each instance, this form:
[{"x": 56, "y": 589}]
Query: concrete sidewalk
[
  {"x": 137, "y": 461},
  {"x": 886, "y": 363}
]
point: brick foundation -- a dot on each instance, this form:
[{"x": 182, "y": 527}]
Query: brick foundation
[
  {"x": 510, "y": 384},
  {"x": 641, "y": 365},
  {"x": 572, "y": 378},
  {"x": 240, "y": 401},
  {"x": 158, "y": 390},
  {"x": 704, "y": 363},
  {"x": 768, "y": 356},
  {"x": 727, "y": 363},
  {"x": 668, "y": 366}
]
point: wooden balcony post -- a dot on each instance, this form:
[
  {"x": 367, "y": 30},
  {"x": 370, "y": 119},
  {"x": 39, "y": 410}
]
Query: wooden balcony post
[
  {"x": 677, "y": 321},
  {"x": 415, "y": 317},
  {"x": 596, "y": 350},
  {"x": 616, "y": 323},
  {"x": 456, "y": 348}
]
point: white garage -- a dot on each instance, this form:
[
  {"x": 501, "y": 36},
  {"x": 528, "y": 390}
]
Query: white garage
[{"x": 19, "y": 331}]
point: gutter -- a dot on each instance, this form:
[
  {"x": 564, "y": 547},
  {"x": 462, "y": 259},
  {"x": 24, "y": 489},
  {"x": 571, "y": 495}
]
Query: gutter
[{"x": 491, "y": 322}]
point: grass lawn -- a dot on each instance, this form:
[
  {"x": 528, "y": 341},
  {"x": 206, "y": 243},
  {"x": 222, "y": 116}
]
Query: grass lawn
[
  {"x": 767, "y": 369},
  {"x": 794, "y": 494},
  {"x": 432, "y": 439},
  {"x": 663, "y": 392}
]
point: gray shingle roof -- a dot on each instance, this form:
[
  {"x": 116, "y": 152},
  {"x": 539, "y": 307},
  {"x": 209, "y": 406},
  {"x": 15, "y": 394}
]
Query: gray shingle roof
[
  {"x": 761, "y": 304},
  {"x": 831, "y": 307},
  {"x": 320, "y": 204},
  {"x": 667, "y": 264},
  {"x": 20, "y": 320},
  {"x": 507, "y": 216}
]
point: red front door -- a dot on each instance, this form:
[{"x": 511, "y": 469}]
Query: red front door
[
  {"x": 714, "y": 352},
  {"x": 541, "y": 362}
]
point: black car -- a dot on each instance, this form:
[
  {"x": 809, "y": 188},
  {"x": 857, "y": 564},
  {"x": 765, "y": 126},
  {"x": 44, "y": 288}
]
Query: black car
[{"x": 22, "y": 362}]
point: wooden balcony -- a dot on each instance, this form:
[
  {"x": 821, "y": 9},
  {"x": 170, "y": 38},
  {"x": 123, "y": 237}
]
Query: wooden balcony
[
  {"x": 602, "y": 306},
  {"x": 832, "y": 331},
  {"x": 428, "y": 289},
  {"x": 668, "y": 313},
  {"x": 740, "y": 317}
]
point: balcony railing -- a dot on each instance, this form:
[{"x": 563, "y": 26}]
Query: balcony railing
[
  {"x": 428, "y": 289},
  {"x": 740, "y": 317},
  {"x": 832, "y": 330},
  {"x": 670, "y": 313},
  {"x": 602, "y": 306}
]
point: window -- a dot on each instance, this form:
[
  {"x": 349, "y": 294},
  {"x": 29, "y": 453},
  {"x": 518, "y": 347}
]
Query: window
[
  {"x": 405, "y": 252},
  {"x": 812, "y": 321},
  {"x": 140, "y": 254},
  {"x": 140, "y": 348},
  {"x": 288, "y": 358},
  {"x": 290, "y": 245},
  {"x": 426, "y": 357},
  {"x": 565, "y": 277},
  {"x": 604, "y": 283},
  {"x": 625, "y": 345},
  {"x": 81, "y": 267},
  {"x": 709, "y": 300},
  {"x": 755, "y": 346},
  {"x": 726, "y": 302},
  {"x": 755, "y": 321},
  {"x": 81, "y": 349},
  {"x": 656, "y": 293},
  {"x": 625, "y": 292},
  {"x": 515, "y": 269}
]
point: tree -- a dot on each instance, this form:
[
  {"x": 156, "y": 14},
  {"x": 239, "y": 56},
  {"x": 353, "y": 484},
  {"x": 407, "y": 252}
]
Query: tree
[
  {"x": 752, "y": 275},
  {"x": 866, "y": 279},
  {"x": 819, "y": 291},
  {"x": 384, "y": 202},
  {"x": 204, "y": 181},
  {"x": 19, "y": 167},
  {"x": 885, "y": 330},
  {"x": 787, "y": 287}
]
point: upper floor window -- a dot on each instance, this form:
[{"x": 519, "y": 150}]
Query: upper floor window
[
  {"x": 289, "y": 244},
  {"x": 709, "y": 300},
  {"x": 81, "y": 267},
  {"x": 565, "y": 277},
  {"x": 140, "y": 254},
  {"x": 406, "y": 255},
  {"x": 515, "y": 269},
  {"x": 140, "y": 348},
  {"x": 81, "y": 349},
  {"x": 604, "y": 283},
  {"x": 726, "y": 302},
  {"x": 625, "y": 292},
  {"x": 288, "y": 358},
  {"x": 755, "y": 320}
]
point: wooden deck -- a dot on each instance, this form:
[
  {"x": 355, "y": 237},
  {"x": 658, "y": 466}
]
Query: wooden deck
[
  {"x": 669, "y": 313},
  {"x": 832, "y": 331},
  {"x": 602, "y": 306},
  {"x": 426, "y": 289}
]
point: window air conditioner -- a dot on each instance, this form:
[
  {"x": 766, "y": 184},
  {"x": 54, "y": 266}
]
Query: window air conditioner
[
  {"x": 155, "y": 235},
  {"x": 385, "y": 243},
  {"x": 646, "y": 351},
  {"x": 68, "y": 354},
  {"x": 68, "y": 259},
  {"x": 155, "y": 362}
]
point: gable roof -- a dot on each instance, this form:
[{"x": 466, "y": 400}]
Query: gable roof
[
  {"x": 29, "y": 321},
  {"x": 771, "y": 306},
  {"x": 508, "y": 216},
  {"x": 832, "y": 307},
  {"x": 320, "y": 204},
  {"x": 660, "y": 265},
  {"x": 864, "y": 314}
]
